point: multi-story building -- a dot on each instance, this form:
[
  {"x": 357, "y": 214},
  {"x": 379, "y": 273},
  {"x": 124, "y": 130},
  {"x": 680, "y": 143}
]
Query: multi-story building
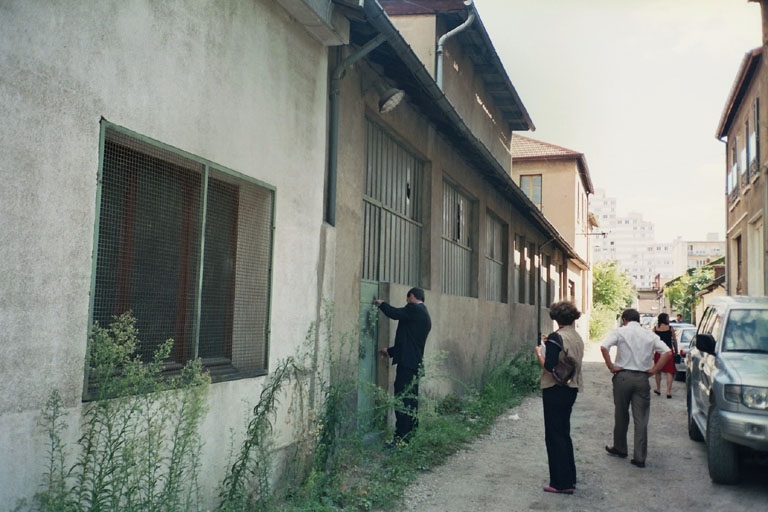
[
  {"x": 557, "y": 181},
  {"x": 743, "y": 129},
  {"x": 695, "y": 253},
  {"x": 630, "y": 240}
]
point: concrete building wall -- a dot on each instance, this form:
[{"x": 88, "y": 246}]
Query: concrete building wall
[
  {"x": 237, "y": 83},
  {"x": 465, "y": 329}
]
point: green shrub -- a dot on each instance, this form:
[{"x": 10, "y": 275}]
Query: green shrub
[{"x": 139, "y": 445}]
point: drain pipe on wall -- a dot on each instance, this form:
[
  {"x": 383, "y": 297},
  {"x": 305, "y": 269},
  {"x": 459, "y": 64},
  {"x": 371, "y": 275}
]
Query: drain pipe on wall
[
  {"x": 448, "y": 35},
  {"x": 333, "y": 122}
]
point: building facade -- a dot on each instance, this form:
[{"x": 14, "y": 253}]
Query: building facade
[
  {"x": 558, "y": 182},
  {"x": 152, "y": 164},
  {"x": 742, "y": 129}
]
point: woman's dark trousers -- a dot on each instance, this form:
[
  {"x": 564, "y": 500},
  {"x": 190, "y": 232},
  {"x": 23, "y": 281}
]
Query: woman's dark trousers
[{"x": 558, "y": 404}]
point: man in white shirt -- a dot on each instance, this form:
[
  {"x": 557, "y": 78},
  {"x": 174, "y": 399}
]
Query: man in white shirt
[{"x": 634, "y": 364}]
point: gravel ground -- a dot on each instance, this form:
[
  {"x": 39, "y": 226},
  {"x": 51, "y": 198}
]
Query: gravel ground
[{"x": 506, "y": 469}]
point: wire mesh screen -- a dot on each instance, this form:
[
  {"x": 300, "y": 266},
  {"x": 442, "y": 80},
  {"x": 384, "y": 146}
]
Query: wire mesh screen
[
  {"x": 186, "y": 249},
  {"x": 392, "y": 204}
]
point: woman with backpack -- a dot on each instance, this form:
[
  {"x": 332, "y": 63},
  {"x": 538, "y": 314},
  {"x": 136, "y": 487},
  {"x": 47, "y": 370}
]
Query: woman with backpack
[{"x": 558, "y": 393}]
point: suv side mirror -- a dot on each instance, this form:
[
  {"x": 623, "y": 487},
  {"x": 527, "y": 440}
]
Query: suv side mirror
[{"x": 705, "y": 343}]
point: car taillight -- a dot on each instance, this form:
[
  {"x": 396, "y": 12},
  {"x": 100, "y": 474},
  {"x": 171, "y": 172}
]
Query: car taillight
[{"x": 682, "y": 353}]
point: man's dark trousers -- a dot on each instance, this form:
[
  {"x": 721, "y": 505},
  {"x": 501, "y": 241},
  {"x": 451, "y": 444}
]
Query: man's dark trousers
[{"x": 407, "y": 388}]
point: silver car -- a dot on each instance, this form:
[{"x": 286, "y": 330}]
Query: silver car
[
  {"x": 685, "y": 334},
  {"x": 727, "y": 383}
]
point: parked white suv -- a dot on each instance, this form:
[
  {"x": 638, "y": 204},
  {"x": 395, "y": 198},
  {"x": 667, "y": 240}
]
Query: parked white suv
[{"x": 727, "y": 383}]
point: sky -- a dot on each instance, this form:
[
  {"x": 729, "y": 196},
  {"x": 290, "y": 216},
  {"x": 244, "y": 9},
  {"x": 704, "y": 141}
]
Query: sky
[{"x": 638, "y": 86}]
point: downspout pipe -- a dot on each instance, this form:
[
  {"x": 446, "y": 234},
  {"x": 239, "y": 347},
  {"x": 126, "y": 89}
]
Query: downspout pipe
[
  {"x": 448, "y": 35},
  {"x": 333, "y": 122}
]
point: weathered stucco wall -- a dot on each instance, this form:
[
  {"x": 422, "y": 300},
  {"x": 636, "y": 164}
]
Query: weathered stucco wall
[{"x": 237, "y": 83}]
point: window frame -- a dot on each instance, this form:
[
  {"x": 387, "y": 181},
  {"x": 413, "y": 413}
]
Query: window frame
[
  {"x": 528, "y": 186},
  {"x": 210, "y": 173}
]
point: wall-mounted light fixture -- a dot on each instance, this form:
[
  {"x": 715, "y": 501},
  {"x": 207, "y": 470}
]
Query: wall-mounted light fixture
[{"x": 389, "y": 97}]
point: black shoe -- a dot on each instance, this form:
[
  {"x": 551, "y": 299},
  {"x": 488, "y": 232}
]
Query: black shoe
[
  {"x": 669, "y": 396},
  {"x": 616, "y": 453},
  {"x": 657, "y": 392},
  {"x": 637, "y": 463}
]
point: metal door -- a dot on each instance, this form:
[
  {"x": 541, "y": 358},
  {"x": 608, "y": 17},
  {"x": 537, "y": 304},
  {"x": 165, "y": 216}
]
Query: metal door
[{"x": 368, "y": 315}]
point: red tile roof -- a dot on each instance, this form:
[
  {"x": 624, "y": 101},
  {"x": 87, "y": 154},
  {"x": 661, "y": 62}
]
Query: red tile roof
[{"x": 524, "y": 147}]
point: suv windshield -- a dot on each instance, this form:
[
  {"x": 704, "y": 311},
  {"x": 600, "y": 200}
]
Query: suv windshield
[{"x": 747, "y": 331}]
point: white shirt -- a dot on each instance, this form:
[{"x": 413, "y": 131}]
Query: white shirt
[{"x": 634, "y": 346}]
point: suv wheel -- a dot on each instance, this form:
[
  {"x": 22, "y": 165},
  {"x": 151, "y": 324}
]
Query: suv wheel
[
  {"x": 693, "y": 429},
  {"x": 722, "y": 455}
]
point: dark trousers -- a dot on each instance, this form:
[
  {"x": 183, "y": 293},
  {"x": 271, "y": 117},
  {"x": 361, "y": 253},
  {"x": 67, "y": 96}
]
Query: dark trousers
[
  {"x": 631, "y": 390},
  {"x": 558, "y": 404},
  {"x": 407, "y": 389}
]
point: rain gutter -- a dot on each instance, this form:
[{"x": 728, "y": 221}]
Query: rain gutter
[{"x": 448, "y": 35}]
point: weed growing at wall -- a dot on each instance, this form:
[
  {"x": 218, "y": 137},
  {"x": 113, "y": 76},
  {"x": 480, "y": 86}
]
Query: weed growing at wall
[{"x": 139, "y": 445}]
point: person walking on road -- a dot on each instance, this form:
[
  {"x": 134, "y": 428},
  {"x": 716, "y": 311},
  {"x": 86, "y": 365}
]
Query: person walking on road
[
  {"x": 634, "y": 347},
  {"x": 558, "y": 399},
  {"x": 667, "y": 335},
  {"x": 407, "y": 353}
]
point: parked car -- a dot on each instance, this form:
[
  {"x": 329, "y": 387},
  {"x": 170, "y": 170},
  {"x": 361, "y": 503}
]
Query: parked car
[
  {"x": 685, "y": 334},
  {"x": 727, "y": 383}
]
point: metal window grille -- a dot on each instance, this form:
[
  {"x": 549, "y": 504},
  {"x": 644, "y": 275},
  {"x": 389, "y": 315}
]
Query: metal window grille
[
  {"x": 186, "y": 247},
  {"x": 456, "y": 242},
  {"x": 392, "y": 211},
  {"x": 495, "y": 259}
]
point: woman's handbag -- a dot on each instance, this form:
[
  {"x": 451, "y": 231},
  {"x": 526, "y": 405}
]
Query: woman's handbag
[
  {"x": 678, "y": 359},
  {"x": 566, "y": 366}
]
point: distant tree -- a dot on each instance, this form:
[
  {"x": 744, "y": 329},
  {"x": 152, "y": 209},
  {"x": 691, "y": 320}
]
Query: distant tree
[
  {"x": 612, "y": 291},
  {"x": 682, "y": 292},
  {"x": 611, "y": 286}
]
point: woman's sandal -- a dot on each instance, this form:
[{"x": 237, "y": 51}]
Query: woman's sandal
[{"x": 549, "y": 488}]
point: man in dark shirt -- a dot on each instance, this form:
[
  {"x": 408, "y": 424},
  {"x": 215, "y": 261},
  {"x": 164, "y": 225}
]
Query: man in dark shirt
[{"x": 407, "y": 353}]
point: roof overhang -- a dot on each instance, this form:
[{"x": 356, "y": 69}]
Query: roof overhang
[
  {"x": 398, "y": 62},
  {"x": 478, "y": 47},
  {"x": 739, "y": 89}
]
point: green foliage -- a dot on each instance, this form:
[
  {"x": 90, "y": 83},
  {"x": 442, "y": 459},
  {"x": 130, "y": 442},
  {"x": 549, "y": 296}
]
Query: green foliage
[
  {"x": 363, "y": 477},
  {"x": 682, "y": 292},
  {"x": 611, "y": 286},
  {"x": 612, "y": 293},
  {"x": 602, "y": 320},
  {"x": 139, "y": 445}
]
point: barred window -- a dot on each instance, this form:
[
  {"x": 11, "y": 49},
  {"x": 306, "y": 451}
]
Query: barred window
[
  {"x": 392, "y": 206},
  {"x": 186, "y": 246},
  {"x": 457, "y": 250},
  {"x": 495, "y": 259}
]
